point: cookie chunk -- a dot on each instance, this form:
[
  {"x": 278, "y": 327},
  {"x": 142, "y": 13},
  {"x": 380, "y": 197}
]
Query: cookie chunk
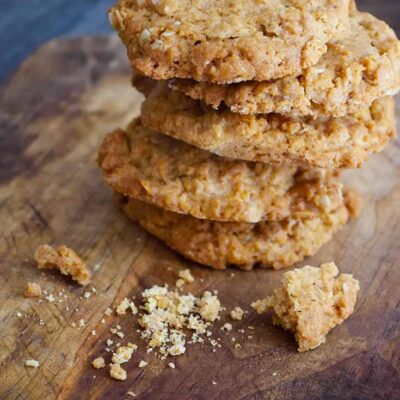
[
  {"x": 223, "y": 244},
  {"x": 226, "y": 41},
  {"x": 355, "y": 71},
  {"x": 312, "y": 301},
  {"x": 33, "y": 290},
  {"x": 65, "y": 260},
  {"x": 171, "y": 174},
  {"x": 272, "y": 138}
]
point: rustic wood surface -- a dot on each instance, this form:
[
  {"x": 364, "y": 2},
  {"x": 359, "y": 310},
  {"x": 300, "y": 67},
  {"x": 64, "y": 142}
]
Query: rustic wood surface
[{"x": 54, "y": 113}]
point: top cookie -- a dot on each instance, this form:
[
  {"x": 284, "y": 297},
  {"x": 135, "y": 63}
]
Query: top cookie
[
  {"x": 355, "y": 71},
  {"x": 224, "y": 41}
]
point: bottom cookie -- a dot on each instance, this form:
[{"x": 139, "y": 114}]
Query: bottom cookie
[{"x": 276, "y": 244}]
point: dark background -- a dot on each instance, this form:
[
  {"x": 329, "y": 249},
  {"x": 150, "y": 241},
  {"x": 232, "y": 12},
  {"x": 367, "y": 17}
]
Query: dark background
[{"x": 26, "y": 24}]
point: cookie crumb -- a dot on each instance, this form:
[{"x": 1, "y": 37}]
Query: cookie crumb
[
  {"x": 209, "y": 306},
  {"x": 98, "y": 363},
  {"x": 33, "y": 290},
  {"x": 125, "y": 305},
  {"x": 354, "y": 203},
  {"x": 30, "y": 362},
  {"x": 65, "y": 260},
  {"x": 227, "y": 327},
  {"x": 108, "y": 311},
  {"x": 179, "y": 283},
  {"x": 237, "y": 314},
  {"x": 171, "y": 365},
  {"x": 50, "y": 298},
  {"x": 117, "y": 372},
  {"x": 186, "y": 276},
  {"x": 260, "y": 306},
  {"x": 122, "y": 355}
]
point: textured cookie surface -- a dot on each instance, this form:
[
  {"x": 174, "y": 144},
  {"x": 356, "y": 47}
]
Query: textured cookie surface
[
  {"x": 176, "y": 176},
  {"x": 225, "y": 41},
  {"x": 354, "y": 72},
  {"x": 272, "y": 138},
  {"x": 312, "y": 301},
  {"x": 222, "y": 244}
]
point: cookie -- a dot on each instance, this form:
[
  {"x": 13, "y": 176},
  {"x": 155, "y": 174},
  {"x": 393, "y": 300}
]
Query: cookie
[
  {"x": 224, "y": 41},
  {"x": 171, "y": 174},
  {"x": 272, "y": 138},
  {"x": 310, "y": 302},
  {"x": 355, "y": 71},
  {"x": 219, "y": 245}
]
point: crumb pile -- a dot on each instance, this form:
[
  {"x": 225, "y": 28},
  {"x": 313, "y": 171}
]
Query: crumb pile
[
  {"x": 250, "y": 109},
  {"x": 167, "y": 313},
  {"x": 168, "y": 321},
  {"x": 310, "y": 302}
]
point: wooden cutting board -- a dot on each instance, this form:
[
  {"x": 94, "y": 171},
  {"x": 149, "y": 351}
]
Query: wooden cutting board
[{"x": 54, "y": 112}]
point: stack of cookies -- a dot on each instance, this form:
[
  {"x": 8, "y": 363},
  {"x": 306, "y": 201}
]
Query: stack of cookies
[{"x": 252, "y": 107}]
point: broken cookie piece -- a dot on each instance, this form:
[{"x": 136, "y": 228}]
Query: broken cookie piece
[
  {"x": 98, "y": 363},
  {"x": 237, "y": 314},
  {"x": 209, "y": 306},
  {"x": 310, "y": 302},
  {"x": 117, "y": 372},
  {"x": 30, "y": 362},
  {"x": 125, "y": 305},
  {"x": 65, "y": 260},
  {"x": 123, "y": 354},
  {"x": 32, "y": 290},
  {"x": 184, "y": 277}
]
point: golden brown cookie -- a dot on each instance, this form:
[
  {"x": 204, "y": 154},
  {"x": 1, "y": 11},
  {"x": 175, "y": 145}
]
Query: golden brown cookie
[
  {"x": 171, "y": 174},
  {"x": 226, "y": 41},
  {"x": 355, "y": 71},
  {"x": 312, "y": 301},
  {"x": 223, "y": 244},
  {"x": 272, "y": 138}
]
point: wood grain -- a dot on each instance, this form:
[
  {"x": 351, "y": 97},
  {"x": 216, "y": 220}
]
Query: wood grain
[{"x": 54, "y": 113}]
